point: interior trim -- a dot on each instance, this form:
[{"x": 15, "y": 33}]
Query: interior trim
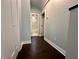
[
  {"x": 45, "y": 4},
  {"x": 76, "y": 6},
  {"x": 15, "y": 52},
  {"x": 18, "y": 48},
  {"x": 55, "y": 46},
  {"x": 26, "y": 42}
]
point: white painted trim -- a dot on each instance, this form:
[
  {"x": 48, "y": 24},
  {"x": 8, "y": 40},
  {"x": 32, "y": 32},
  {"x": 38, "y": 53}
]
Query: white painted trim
[
  {"x": 55, "y": 46},
  {"x": 45, "y": 4},
  {"x": 18, "y": 48},
  {"x": 26, "y": 42},
  {"x": 15, "y": 53}
]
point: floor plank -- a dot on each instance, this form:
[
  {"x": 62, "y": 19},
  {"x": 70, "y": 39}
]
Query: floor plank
[{"x": 39, "y": 49}]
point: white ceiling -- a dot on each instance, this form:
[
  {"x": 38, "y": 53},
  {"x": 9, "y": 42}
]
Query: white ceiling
[{"x": 39, "y": 4}]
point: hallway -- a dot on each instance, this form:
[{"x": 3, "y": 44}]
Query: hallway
[
  {"x": 39, "y": 29},
  {"x": 39, "y": 49}
]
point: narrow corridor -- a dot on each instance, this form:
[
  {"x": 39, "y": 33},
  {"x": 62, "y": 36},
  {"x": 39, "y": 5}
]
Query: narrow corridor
[{"x": 39, "y": 29}]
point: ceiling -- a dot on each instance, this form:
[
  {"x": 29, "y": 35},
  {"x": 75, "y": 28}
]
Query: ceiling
[{"x": 38, "y": 4}]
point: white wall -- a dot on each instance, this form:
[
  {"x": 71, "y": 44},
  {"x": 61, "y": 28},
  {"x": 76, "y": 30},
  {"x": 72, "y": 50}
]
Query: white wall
[
  {"x": 9, "y": 28},
  {"x": 15, "y": 26},
  {"x": 56, "y": 24},
  {"x": 25, "y": 21},
  {"x": 35, "y": 10}
]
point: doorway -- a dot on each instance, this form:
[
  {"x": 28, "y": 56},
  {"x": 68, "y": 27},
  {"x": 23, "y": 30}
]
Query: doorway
[
  {"x": 35, "y": 24},
  {"x": 38, "y": 24},
  {"x": 42, "y": 24}
]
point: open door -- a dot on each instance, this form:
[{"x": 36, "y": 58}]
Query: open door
[{"x": 35, "y": 24}]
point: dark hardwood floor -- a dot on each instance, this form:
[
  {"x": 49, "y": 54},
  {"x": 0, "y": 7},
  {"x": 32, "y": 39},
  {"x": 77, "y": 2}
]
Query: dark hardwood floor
[{"x": 39, "y": 49}]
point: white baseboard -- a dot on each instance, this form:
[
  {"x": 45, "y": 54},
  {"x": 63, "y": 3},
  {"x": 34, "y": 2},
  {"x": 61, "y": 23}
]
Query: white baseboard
[
  {"x": 15, "y": 53},
  {"x": 26, "y": 42},
  {"x": 55, "y": 46},
  {"x": 18, "y": 48}
]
